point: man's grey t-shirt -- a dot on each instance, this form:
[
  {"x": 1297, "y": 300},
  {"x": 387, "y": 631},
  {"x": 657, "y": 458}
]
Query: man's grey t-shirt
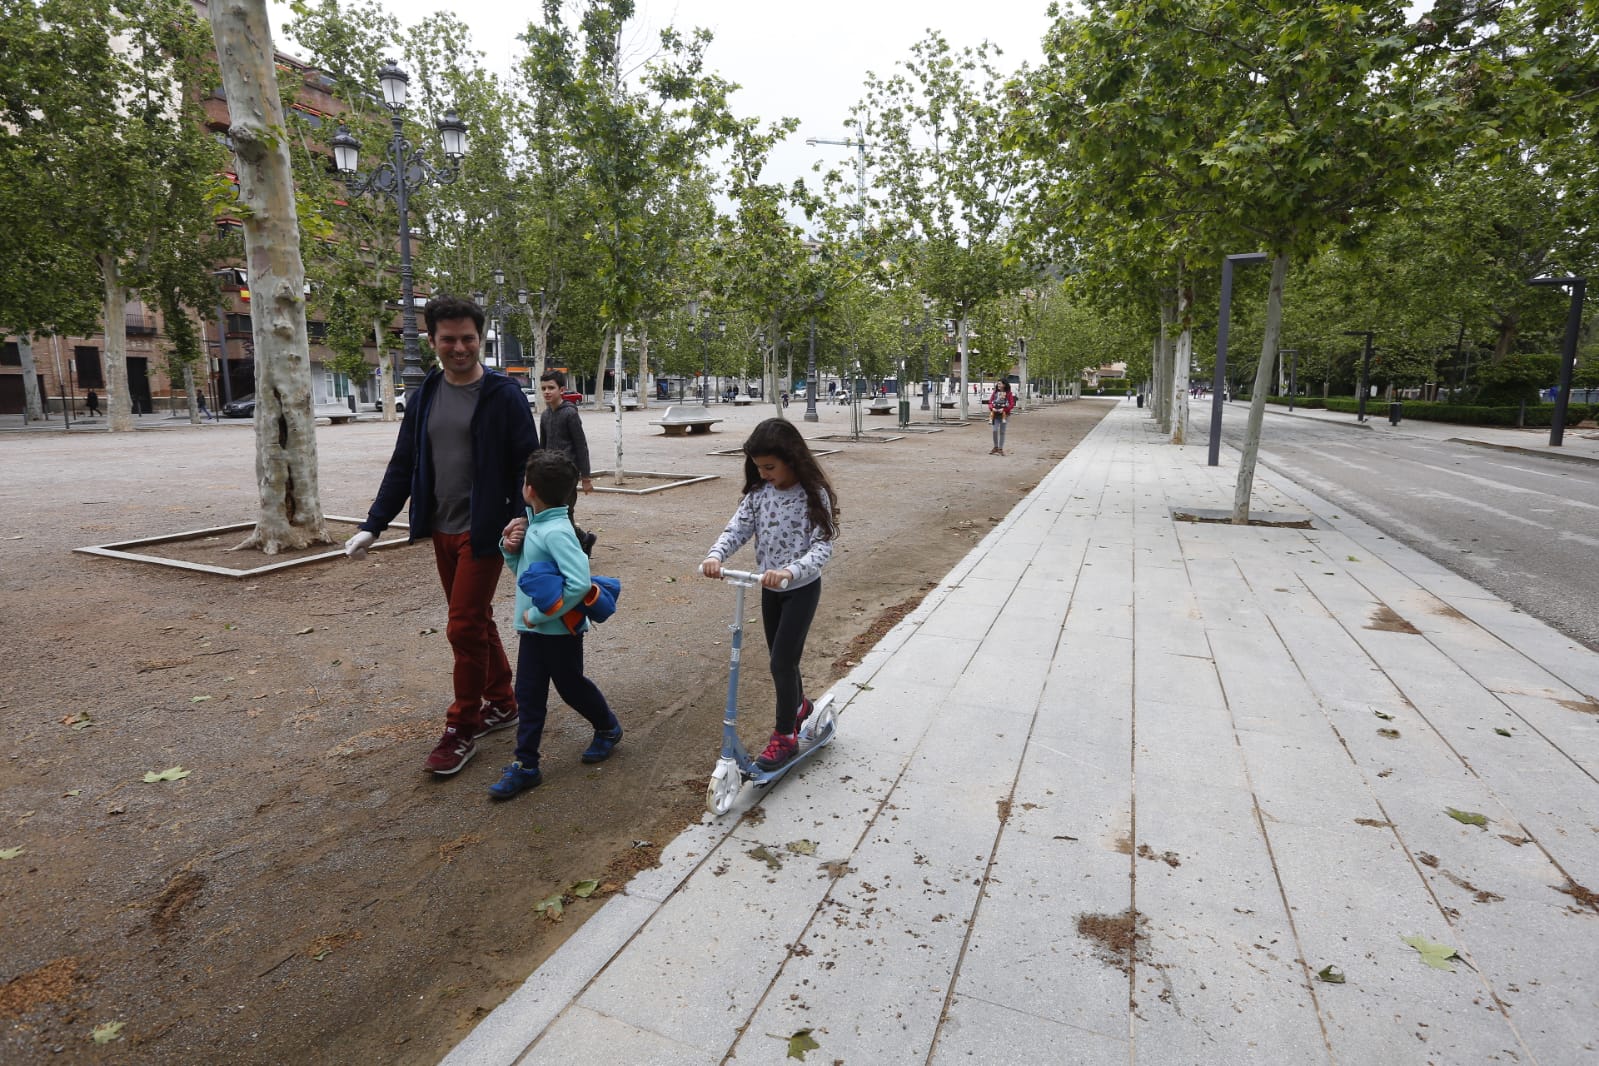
[{"x": 450, "y": 439}]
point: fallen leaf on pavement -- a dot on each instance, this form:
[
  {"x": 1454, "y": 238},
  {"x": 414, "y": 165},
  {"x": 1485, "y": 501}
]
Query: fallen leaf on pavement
[
  {"x": 550, "y": 908},
  {"x": 799, "y": 1044},
  {"x": 1502, "y": 732},
  {"x": 1331, "y": 974},
  {"x": 1467, "y": 817},
  {"x": 801, "y": 847},
  {"x": 175, "y": 773},
  {"x": 760, "y": 854},
  {"x": 10, "y": 853},
  {"x": 585, "y": 889},
  {"x": 1384, "y": 717},
  {"x": 1435, "y": 955}
]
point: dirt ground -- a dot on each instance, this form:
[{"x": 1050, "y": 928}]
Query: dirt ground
[{"x": 307, "y": 894}]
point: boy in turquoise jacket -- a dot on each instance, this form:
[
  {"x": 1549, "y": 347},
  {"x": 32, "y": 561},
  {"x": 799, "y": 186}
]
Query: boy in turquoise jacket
[{"x": 547, "y": 650}]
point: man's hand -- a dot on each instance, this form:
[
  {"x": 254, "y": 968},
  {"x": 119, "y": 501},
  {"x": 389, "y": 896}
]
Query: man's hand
[
  {"x": 711, "y": 568},
  {"x": 515, "y": 531},
  {"x": 357, "y": 545},
  {"x": 588, "y": 485}
]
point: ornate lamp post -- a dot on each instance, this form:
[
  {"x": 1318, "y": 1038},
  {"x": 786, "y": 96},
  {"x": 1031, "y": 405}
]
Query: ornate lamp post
[
  {"x": 525, "y": 299},
  {"x": 498, "y": 310},
  {"x": 397, "y": 177}
]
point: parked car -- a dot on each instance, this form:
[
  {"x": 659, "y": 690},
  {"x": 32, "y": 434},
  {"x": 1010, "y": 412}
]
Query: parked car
[
  {"x": 399, "y": 402},
  {"x": 534, "y": 400},
  {"x": 241, "y": 408}
]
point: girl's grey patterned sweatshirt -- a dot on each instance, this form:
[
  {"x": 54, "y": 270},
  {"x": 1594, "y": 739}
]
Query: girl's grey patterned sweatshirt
[{"x": 785, "y": 539}]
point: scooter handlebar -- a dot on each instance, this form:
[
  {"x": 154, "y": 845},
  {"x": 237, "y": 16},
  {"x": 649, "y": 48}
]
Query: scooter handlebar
[{"x": 746, "y": 577}]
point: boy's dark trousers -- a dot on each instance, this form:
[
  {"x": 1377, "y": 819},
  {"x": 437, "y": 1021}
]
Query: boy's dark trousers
[{"x": 540, "y": 659}]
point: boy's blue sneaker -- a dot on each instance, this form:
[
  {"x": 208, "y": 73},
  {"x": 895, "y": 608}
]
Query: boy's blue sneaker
[
  {"x": 604, "y": 742},
  {"x": 516, "y": 780}
]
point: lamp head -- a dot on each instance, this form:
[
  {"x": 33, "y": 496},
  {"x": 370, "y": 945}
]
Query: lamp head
[
  {"x": 452, "y": 131},
  {"x": 499, "y": 276},
  {"x": 346, "y": 150},
  {"x": 394, "y": 82}
]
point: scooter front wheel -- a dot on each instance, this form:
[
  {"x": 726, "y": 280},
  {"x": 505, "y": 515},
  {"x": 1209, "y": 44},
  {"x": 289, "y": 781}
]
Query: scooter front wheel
[{"x": 724, "y": 787}]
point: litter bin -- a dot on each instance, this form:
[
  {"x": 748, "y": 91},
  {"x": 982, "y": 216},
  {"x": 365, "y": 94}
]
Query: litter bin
[
  {"x": 904, "y": 410},
  {"x": 1140, "y": 399},
  {"x": 1395, "y": 412}
]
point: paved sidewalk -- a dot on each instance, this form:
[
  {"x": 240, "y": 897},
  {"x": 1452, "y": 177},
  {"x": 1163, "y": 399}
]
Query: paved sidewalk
[{"x": 1117, "y": 791}]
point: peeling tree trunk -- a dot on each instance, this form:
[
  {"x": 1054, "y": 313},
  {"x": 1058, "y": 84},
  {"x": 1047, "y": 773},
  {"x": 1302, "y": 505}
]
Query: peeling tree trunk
[
  {"x": 599, "y": 370},
  {"x": 643, "y": 366},
  {"x": 290, "y": 507},
  {"x": 118, "y": 403},
  {"x": 541, "y": 345},
  {"x": 1257, "y": 396},
  {"x": 1182, "y": 359},
  {"x": 616, "y": 393},
  {"x": 188, "y": 391},
  {"x": 387, "y": 400},
  {"x": 33, "y": 408}
]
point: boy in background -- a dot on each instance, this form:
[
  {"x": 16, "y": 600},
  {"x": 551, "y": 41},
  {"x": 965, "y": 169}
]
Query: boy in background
[{"x": 561, "y": 430}]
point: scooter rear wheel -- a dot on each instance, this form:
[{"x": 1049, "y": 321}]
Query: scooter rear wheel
[{"x": 723, "y": 789}]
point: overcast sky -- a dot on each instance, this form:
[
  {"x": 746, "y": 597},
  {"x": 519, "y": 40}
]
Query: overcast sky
[{"x": 806, "y": 61}]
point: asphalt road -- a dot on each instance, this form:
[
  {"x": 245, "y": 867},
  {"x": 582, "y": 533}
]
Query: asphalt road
[{"x": 1525, "y": 527}]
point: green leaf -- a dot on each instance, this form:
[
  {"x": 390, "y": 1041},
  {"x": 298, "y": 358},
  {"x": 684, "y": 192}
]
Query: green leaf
[
  {"x": 799, "y": 1044},
  {"x": 1435, "y": 955},
  {"x": 1467, "y": 817},
  {"x": 1384, "y": 717},
  {"x": 198, "y": 699},
  {"x": 585, "y": 889},
  {"x": 1331, "y": 974},
  {"x": 801, "y": 847},
  {"x": 73, "y": 792},
  {"x": 1502, "y": 732},
  {"x": 760, "y": 854},
  {"x": 551, "y": 908},
  {"x": 106, "y": 1032},
  {"x": 10, "y": 853},
  {"x": 175, "y": 773}
]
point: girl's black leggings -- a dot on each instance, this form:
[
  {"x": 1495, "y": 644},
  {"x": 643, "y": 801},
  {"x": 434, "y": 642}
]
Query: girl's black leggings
[{"x": 786, "y": 617}]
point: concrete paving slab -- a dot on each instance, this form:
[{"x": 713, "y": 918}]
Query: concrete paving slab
[
  {"x": 977, "y": 1030},
  {"x": 583, "y": 1035}
]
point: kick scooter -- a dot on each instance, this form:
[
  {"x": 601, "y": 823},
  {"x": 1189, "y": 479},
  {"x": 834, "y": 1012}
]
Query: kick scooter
[{"x": 736, "y": 766}]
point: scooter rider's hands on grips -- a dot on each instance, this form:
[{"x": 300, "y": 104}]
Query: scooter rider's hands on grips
[
  {"x": 711, "y": 568},
  {"x": 776, "y": 579},
  {"x": 357, "y": 545}
]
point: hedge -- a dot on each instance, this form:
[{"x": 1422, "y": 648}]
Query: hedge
[{"x": 1541, "y": 414}]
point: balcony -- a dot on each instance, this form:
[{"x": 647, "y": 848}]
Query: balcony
[{"x": 139, "y": 326}]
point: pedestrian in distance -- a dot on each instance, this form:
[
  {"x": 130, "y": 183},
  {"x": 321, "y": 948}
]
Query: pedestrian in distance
[
  {"x": 205, "y": 412},
  {"x": 548, "y": 648},
  {"x": 790, "y": 508},
  {"x": 92, "y": 402},
  {"x": 561, "y": 430},
  {"x": 459, "y": 457},
  {"x": 1001, "y": 402}
]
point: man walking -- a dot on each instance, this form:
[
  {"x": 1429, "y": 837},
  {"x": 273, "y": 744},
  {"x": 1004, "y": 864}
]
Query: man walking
[
  {"x": 561, "y": 429},
  {"x": 463, "y": 443}
]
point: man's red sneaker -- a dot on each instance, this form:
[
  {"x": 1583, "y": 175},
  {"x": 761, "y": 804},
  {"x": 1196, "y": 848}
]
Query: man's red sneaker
[{"x": 454, "y": 750}]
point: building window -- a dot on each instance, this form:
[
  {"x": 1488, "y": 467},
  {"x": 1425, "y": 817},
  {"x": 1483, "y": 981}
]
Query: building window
[
  {"x": 317, "y": 331},
  {"x": 10, "y": 354},
  {"x": 239, "y": 325},
  {"x": 87, "y": 363},
  {"x": 338, "y": 385}
]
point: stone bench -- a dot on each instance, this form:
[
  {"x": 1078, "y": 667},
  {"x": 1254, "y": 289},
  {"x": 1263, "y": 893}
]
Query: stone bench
[
  {"x": 743, "y": 401},
  {"x": 880, "y": 407},
  {"x": 679, "y": 420},
  {"x": 335, "y": 414}
]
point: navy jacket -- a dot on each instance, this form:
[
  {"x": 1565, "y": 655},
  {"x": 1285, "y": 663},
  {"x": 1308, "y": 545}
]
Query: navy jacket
[{"x": 503, "y": 436}]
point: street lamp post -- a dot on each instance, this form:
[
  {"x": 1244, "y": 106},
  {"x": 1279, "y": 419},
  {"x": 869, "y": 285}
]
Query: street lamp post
[
  {"x": 1218, "y": 381},
  {"x": 810, "y": 374},
  {"x": 498, "y": 311},
  {"x": 1293, "y": 374},
  {"x": 1365, "y": 373},
  {"x": 921, "y": 333},
  {"x": 403, "y": 173},
  {"x": 1568, "y": 351}
]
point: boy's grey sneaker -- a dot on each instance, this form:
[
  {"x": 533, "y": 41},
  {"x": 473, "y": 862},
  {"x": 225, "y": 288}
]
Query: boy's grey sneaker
[
  {"x": 516, "y": 780},
  {"x": 604, "y": 742}
]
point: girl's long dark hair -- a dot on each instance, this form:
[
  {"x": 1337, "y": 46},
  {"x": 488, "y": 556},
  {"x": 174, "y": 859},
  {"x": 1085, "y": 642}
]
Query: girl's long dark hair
[{"x": 778, "y": 438}]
